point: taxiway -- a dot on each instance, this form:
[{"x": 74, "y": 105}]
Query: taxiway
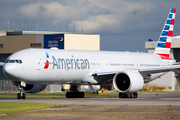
[{"x": 157, "y": 99}]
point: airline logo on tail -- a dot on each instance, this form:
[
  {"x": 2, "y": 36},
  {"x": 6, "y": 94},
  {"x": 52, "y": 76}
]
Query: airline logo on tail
[{"x": 164, "y": 42}]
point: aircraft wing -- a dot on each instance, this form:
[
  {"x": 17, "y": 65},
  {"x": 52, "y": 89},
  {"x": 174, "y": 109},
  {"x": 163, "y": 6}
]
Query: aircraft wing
[
  {"x": 177, "y": 63},
  {"x": 160, "y": 69},
  {"x": 1, "y": 63},
  {"x": 106, "y": 77}
]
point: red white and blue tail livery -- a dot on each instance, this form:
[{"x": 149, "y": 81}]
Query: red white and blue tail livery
[{"x": 164, "y": 42}]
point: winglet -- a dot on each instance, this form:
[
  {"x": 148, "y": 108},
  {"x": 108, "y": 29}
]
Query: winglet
[{"x": 164, "y": 42}]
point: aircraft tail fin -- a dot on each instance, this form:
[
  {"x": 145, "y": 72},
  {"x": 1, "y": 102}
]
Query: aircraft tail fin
[{"x": 164, "y": 42}]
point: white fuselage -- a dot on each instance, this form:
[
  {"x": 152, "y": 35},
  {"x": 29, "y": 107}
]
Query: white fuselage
[{"x": 71, "y": 66}]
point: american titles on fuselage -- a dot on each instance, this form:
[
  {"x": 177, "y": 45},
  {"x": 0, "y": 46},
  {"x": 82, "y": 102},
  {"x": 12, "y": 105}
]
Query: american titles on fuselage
[{"x": 72, "y": 63}]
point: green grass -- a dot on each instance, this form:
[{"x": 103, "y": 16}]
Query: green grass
[
  {"x": 13, "y": 107},
  {"x": 73, "y": 108}
]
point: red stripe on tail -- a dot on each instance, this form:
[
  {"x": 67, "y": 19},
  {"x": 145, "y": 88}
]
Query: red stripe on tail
[
  {"x": 168, "y": 45},
  {"x": 165, "y": 55}
]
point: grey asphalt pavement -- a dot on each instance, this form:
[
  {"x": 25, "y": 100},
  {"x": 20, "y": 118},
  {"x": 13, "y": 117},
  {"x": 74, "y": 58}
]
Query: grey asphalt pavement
[{"x": 156, "y": 99}]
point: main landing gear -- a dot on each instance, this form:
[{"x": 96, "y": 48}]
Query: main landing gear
[
  {"x": 21, "y": 95},
  {"x": 74, "y": 93},
  {"x": 128, "y": 95}
]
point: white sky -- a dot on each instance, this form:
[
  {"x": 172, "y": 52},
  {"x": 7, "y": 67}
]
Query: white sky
[{"x": 123, "y": 24}]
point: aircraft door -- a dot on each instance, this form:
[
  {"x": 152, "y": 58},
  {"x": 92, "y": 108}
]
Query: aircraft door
[
  {"x": 136, "y": 63},
  {"x": 105, "y": 64},
  {"x": 38, "y": 63}
]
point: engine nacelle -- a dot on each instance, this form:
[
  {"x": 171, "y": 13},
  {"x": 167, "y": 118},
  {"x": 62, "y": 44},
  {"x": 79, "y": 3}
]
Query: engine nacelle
[
  {"x": 128, "y": 81},
  {"x": 34, "y": 88}
]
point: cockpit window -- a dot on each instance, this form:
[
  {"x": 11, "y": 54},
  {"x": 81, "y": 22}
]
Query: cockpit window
[
  {"x": 13, "y": 61},
  {"x": 17, "y": 61},
  {"x": 20, "y": 61},
  {"x": 6, "y": 61}
]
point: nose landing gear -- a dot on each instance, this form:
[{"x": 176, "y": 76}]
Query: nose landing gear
[{"x": 21, "y": 95}]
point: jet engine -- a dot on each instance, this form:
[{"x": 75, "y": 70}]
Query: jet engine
[
  {"x": 31, "y": 88},
  {"x": 128, "y": 81},
  {"x": 34, "y": 88}
]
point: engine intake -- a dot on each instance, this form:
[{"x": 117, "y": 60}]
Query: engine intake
[
  {"x": 128, "y": 81},
  {"x": 34, "y": 88}
]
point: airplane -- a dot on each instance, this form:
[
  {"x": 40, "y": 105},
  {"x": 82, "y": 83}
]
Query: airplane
[{"x": 32, "y": 69}]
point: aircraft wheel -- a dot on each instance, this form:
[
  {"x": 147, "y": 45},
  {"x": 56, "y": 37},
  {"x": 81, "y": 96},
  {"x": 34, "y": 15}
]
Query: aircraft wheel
[
  {"x": 71, "y": 95},
  {"x": 23, "y": 96},
  {"x": 121, "y": 95},
  {"x": 81, "y": 95},
  {"x": 78, "y": 94},
  {"x": 135, "y": 95},
  {"x": 75, "y": 95},
  {"x": 68, "y": 95},
  {"x": 19, "y": 96},
  {"x": 126, "y": 96},
  {"x": 130, "y": 95}
]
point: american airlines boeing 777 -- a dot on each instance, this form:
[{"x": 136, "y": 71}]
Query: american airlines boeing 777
[{"x": 32, "y": 69}]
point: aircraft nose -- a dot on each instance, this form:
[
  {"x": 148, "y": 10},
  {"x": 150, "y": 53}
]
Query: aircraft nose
[{"x": 10, "y": 71}]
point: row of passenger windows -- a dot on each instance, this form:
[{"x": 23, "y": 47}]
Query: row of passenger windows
[
  {"x": 95, "y": 64},
  {"x": 154, "y": 65},
  {"x": 13, "y": 61},
  {"x": 116, "y": 64}
]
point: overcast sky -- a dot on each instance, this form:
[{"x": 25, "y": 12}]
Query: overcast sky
[{"x": 123, "y": 25}]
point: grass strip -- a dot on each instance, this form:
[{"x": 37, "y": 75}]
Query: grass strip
[{"x": 14, "y": 107}]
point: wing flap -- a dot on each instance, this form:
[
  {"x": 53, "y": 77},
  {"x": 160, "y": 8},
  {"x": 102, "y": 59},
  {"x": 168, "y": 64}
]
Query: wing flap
[{"x": 105, "y": 73}]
